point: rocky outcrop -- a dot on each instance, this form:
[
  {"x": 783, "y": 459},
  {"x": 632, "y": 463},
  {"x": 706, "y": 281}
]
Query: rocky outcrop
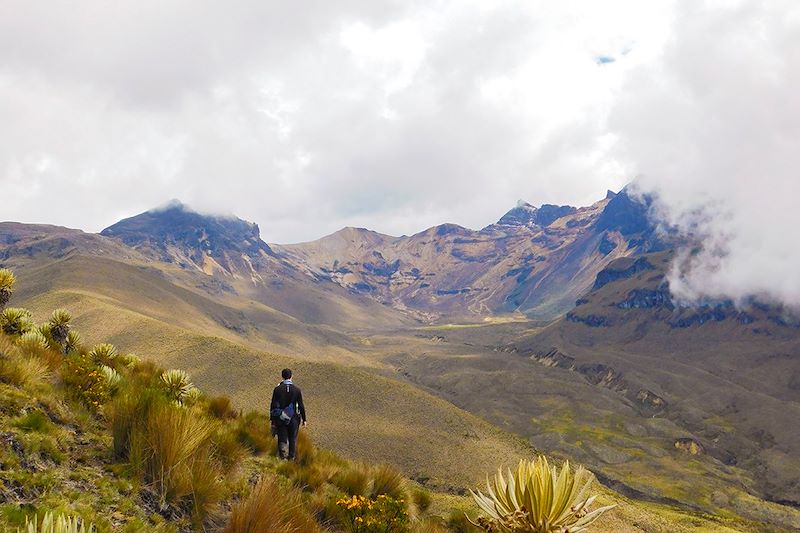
[
  {"x": 554, "y": 358},
  {"x": 690, "y": 446},
  {"x": 626, "y": 215},
  {"x": 648, "y": 299},
  {"x": 524, "y": 214},
  {"x": 646, "y": 402},
  {"x": 621, "y": 269},
  {"x": 593, "y": 321}
]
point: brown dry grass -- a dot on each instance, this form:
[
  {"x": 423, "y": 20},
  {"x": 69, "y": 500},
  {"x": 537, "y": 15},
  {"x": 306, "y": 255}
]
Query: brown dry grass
[{"x": 272, "y": 508}]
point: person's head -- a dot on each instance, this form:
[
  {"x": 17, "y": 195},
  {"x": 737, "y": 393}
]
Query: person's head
[{"x": 286, "y": 373}]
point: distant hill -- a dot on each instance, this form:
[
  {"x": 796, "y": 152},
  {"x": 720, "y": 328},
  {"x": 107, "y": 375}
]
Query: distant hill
[{"x": 534, "y": 260}]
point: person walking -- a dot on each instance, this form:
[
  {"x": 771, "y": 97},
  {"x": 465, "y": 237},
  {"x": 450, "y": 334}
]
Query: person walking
[{"x": 287, "y": 412}]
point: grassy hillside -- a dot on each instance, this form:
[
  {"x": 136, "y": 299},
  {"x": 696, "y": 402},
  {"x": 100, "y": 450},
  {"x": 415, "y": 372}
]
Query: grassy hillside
[
  {"x": 384, "y": 418},
  {"x": 72, "y": 449},
  {"x": 357, "y": 405}
]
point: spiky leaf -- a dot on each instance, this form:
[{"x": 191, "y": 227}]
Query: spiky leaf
[
  {"x": 57, "y": 524},
  {"x": 103, "y": 354},
  {"x": 32, "y": 342},
  {"x": 73, "y": 342},
  {"x": 177, "y": 384},
  {"x": 15, "y": 321},
  {"x": 59, "y": 326},
  {"x": 111, "y": 377},
  {"x": 537, "y": 498}
]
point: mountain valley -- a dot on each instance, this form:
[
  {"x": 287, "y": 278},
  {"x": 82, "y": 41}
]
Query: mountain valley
[{"x": 552, "y": 329}]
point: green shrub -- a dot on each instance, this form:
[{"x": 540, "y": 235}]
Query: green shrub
[
  {"x": 86, "y": 381},
  {"x": 537, "y": 498},
  {"x": 34, "y": 421},
  {"x": 383, "y": 514}
]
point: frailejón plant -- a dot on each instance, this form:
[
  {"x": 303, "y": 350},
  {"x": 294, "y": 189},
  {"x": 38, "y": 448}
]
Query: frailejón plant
[
  {"x": 57, "y": 524},
  {"x": 177, "y": 384},
  {"x": 7, "y": 280},
  {"x": 538, "y": 498}
]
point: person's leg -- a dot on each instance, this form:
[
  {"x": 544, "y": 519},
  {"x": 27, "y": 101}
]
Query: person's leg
[
  {"x": 283, "y": 440},
  {"x": 294, "y": 428}
]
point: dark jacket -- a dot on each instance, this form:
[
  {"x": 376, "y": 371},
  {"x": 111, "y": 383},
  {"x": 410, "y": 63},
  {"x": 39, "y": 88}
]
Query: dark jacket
[{"x": 285, "y": 394}]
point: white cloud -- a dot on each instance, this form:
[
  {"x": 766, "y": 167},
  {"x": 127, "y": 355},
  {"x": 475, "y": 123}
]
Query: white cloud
[
  {"x": 714, "y": 129},
  {"x": 389, "y": 115}
]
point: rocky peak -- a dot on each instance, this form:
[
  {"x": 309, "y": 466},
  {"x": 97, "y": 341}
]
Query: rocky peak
[
  {"x": 176, "y": 228},
  {"x": 626, "y": 214},
  {"x": 525, "y": 214}
]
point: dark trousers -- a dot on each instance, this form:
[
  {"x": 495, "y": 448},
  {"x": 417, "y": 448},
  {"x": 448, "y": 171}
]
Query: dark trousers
[{"x": 287, "y": 438}]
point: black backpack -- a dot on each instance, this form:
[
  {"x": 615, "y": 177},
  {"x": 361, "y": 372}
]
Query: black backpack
[{"x": 284, "y": 415}]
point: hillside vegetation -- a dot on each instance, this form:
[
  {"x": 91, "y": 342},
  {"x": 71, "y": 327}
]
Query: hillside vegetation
[
  {"x": 99, "y": 434},
  {"x": 126, "y": 445}
]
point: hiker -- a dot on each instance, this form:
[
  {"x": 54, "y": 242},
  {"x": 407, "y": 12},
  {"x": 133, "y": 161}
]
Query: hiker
[{"x": 287, "y": 412}]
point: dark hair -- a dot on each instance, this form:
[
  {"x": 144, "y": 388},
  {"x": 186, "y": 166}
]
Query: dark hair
[{"x": 286, "y": 373}]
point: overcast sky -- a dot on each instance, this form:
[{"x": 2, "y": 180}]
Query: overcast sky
[{"x": 309, "y": 116}]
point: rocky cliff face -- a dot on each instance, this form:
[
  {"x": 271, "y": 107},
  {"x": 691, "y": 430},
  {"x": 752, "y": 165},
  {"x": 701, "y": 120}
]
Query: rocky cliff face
[
  {"x": 535, "y": 260},
  {"x": 212, "y": 244}
]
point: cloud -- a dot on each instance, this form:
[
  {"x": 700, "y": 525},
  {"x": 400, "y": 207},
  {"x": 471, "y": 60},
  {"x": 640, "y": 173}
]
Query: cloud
[
  {"x": 305, "y": 118},
  {"x": 713, "y": 128}
]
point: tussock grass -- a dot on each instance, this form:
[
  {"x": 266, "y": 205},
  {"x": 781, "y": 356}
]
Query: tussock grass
[
  {"x": 180, "y": 453},
  {"x": 227, "y": 448},
  {"x": 24, "y": 371},
  {"x": 253, "y": 431},
  {"x": 422, "y": 499},
  {"x": 387, "y": 480},
  {"x": 271, "y": 507},
  {"x": 221, "y": 407},
  {"x": 34, "y": 421},
  {"x": 354, "y": 481},
  {"x": 128, "y": 413},
  {"x": 305, "y": 452},
  {"x": 174, "y": 447}
]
